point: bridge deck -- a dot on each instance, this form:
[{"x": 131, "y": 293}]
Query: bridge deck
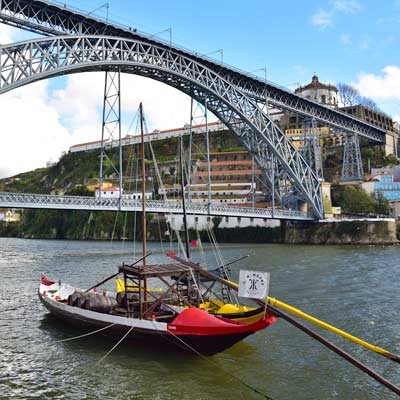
[
  {"x": 54, "y": 202},
  {"x": 50, "y": 18}
]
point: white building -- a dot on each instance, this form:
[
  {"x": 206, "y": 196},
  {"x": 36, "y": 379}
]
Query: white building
[
  {"x": 137, "y": 195},
  {"x": 200, "y": 222},
  {"x": 109, "y": 192},
  {"x": 319, "y": 92}
]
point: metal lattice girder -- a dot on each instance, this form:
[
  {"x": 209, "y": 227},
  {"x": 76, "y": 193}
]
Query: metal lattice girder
[
  {"x": 46, "y": 18},
  {"x": 310, "y": 147},
  {"x": 352, "y": 169},
  {"x": 55, "y": 202},
  {"x": 111, "y": 126},
  {"x": 33, "y": 60}
]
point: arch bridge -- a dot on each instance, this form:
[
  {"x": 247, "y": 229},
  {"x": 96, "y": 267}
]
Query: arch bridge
[
  {"x": 281, "y": 164},
  {"x": 235, "y": 98}
]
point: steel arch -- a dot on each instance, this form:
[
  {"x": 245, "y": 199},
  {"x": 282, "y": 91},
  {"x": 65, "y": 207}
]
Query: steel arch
[
  {"x": 26, "y": 62},
  {"x": 47, "y": 18}
]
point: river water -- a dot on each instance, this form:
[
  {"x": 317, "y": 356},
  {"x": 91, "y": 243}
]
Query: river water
[{"x": 355, "y": 288}]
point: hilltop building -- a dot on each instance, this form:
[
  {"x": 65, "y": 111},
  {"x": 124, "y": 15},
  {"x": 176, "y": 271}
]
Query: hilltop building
[
  {"x": 380, "y": 119},
  {"x": 233, "y": 178},
  {"x": 319, "y": 92},
  {"x": 316, "y": 91}
]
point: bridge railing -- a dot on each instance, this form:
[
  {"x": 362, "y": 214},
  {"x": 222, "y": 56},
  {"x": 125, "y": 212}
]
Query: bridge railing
[{"x": 28, "y": 200}]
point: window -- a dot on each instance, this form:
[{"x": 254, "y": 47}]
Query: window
[{"x": 323, "y": 98}]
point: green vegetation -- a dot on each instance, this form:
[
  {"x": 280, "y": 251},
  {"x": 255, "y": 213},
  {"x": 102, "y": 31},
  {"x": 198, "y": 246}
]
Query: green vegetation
[{"x": 355, "y": 200}]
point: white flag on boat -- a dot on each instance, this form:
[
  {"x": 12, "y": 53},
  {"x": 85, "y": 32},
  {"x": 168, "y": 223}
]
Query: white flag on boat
[{"x": 253, "y": 284}]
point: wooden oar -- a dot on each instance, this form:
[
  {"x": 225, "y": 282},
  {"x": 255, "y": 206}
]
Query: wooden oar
[
  {"x": 293, "y": 310},
  {"x": 114, "y": 275},
  {"x": 279, "y": 313}
]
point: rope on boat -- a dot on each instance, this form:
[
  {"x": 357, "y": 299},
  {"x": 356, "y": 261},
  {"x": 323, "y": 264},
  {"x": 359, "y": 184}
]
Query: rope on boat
[
  {"x": 116, "y": 345},
  {"x": 86, "y": 334},
  {"x": 234, "y": 377}
]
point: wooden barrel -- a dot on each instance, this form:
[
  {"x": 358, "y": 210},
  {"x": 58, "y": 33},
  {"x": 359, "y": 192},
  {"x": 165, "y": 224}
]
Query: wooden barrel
[
  {"x": 72, "y": 298},
  {"x": 81, "y": 300},
  {"x": 99, "y": 303},
  {"x": 121, "y": 298}
]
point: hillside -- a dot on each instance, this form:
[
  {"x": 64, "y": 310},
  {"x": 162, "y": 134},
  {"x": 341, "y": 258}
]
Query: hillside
[{"x": 74, "y": 171}]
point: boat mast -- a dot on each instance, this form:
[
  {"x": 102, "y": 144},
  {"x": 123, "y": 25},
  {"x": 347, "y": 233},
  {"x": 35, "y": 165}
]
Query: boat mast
[
  {"x": 144, "y": 230},
  {"x": 183, "y": 197}
]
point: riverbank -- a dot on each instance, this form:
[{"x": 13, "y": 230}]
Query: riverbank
[{"x": 329, "y": 232}]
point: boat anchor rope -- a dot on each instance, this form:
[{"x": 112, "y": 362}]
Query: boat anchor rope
[
  {"x": 234, "y": 377},
  {"x": 86, "y": 334}
]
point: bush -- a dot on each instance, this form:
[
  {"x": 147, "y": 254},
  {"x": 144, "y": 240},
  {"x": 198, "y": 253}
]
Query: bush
[{"x": 355, "y": 200}]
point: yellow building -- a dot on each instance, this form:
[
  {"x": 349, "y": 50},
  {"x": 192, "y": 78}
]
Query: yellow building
[
  {"x": 95, "y": 185},
  {"x": 12, "y": 216},
  {"x": 326, "y": 137}
]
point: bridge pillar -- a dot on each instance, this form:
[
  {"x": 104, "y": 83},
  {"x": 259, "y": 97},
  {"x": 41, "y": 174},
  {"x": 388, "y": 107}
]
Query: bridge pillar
[
  {"x": 111, "y": 128},
  {"x": 310, "y": 146},
  {"x": 352, "y": 169},
  {"x": 303, "y": 206}
]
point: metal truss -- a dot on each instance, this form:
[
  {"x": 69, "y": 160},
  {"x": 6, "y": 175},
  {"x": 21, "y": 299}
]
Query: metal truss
[
  {"x": 33, "y": 60},
  {"x": 310, "y": 147},
  {"x": 352, "y": 169},
  {"x": 111, "y": 128},
  {"x": 43, "y": 17},
  {"x": 55, "y": 202},
  {"x": 199, "y": 116}
]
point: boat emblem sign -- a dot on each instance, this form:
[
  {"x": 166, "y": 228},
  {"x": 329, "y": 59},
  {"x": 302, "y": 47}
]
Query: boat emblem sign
[{"x": 253, "y": 284}]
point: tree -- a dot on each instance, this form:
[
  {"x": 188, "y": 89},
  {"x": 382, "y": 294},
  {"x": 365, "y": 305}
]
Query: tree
[
  {"x": 348, "y": 94},
  {"x": 79, "y": 190},
  {"x": 356, "y": 200},
  {"x": 382, "y": 205},
  {"x": 369, "y": 103}
]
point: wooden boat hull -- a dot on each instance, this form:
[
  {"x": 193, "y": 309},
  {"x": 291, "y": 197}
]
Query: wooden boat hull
[{"x": 152, "y": 334}]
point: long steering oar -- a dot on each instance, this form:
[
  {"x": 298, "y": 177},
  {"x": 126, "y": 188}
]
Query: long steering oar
[
  {"x": 277, "y": 303},
  {"x": 295, "y": 311},
  {"x": 279, "y": 313}
]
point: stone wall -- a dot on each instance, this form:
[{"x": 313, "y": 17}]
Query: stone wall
[{"x": 363, "y": 231}]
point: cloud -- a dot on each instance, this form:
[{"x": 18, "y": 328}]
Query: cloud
[
  {"x": 346, "y": 6},
  {"x": 41, "y": 122},
  {"x": 32, "y": 133},
  {"x": 325, "y": 18},
  {"x": 384, "y": 86},
  {"x": 365, "y": 44},
  {"x": 80, "y": 104},
  {"x": 345, "y": 39},
  {"x": 322, "y": 19}
]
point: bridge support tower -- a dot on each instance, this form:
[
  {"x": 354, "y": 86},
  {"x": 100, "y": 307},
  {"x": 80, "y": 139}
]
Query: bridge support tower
[
  {"x": 111, "y": 129},
  {"x": 352, "y": 169}
]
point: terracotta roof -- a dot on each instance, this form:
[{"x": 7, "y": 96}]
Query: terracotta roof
[
  {"x": 221, "y": 153},
  {"x": 315, "y": 84},
  {"x": 229, "y": 172},
  {"x": 214, "y": 163},
  {"x": 85, "y": 144},
  {"x": 110, "y": 188}
]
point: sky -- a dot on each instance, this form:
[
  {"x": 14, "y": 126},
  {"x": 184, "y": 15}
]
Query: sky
[{"x": 351, "y": 41}]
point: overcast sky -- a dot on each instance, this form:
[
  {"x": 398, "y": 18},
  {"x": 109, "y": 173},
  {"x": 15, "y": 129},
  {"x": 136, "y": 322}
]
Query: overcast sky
[{"x": 348, "y": 41}]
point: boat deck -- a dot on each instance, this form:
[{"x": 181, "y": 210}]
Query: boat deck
[{"x": 154, "y": 270}]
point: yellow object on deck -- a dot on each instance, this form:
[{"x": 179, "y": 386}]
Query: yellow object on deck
[{"x": 133, "y": 287}]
